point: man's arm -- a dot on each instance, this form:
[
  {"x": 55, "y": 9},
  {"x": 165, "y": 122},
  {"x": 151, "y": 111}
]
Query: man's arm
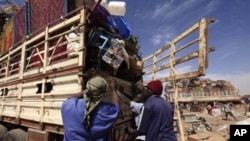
[
  {"x": 114, "y": 87},
  {"x": 131, "y": 130},
  {"x": 136, "y": 107}
]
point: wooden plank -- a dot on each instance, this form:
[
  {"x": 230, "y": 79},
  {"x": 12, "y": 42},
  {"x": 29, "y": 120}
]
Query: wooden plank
[
  {"x": 29, "y": 123},
  {"x": 51, "y": 104},
  {"x": 8, "y": 119},
  {"x": 186, "y": 45},
  {"x": 203, "y": 43},
  {"x": 53, "y": 128},
  {"x": 66, "y": 23},
  {"x": 210, "y": 98},
  {"x": 37, "y": 135},
  {"x": 52, "y": 116},
  {"x": 178, "y": 61},
  {"x": 83, "y": 52},
  {"x": 167, "y": 46},
  {"x": 37, "y": 74},
  {"x": 187, "y": 32},
  {"x": 3, "y": 58},
  {"x": 15, "y": 50}
]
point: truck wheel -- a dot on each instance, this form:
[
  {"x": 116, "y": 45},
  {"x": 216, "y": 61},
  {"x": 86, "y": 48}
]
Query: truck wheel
[
  {"x": 3, "y": 131},
  {"x": 15, "y": 135}
]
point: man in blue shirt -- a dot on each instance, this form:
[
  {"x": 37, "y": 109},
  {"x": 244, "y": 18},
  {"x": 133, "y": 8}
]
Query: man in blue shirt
[
  {"x": 85, "y": 117},
  {"x": 156, "y": 121}
]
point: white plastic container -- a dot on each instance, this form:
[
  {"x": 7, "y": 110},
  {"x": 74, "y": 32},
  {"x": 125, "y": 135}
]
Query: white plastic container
[{"x": 117, "y": 8}]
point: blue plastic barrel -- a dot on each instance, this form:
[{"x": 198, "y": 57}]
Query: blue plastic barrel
[{"x": 121, "y": 26}]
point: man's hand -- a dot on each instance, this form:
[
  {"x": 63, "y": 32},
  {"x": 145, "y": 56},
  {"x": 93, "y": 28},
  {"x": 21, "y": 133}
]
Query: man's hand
[
  {"x": 131, "y": 130},
  {"x": 114, "y": 87}
]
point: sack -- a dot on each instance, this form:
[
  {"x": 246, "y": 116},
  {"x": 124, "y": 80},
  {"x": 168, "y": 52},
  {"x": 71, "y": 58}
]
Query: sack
[{"x": 73, "y": 43}]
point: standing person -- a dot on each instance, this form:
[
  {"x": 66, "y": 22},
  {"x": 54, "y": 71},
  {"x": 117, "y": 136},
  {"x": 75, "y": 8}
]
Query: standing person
[
  {"x": 135, "y": 105},
  {"x": 227, "y": 110},
  {"x": 85, "y": 117},
  {"x": 157, "y": 115}
]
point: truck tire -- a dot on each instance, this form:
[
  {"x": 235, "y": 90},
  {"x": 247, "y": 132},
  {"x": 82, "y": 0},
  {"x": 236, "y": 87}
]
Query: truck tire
[
  {"x": 15, "y": 135},
  {"x": 3, "y": 131}
]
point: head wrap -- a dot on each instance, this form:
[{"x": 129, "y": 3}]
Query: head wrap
[
  {"x": 155, "y": 86},
  {"x": 95, "y": 88}
]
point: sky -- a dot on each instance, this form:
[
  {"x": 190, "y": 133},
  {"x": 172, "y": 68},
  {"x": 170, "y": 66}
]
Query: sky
[
  {"x": 17, "y": 3},
  {"x": 156, "y": 22}
]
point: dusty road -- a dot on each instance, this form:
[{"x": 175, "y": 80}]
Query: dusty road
[{"x": 218, "y": 123}]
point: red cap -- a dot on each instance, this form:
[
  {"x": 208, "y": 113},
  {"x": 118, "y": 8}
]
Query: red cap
[{"x": 155, "y": 86}]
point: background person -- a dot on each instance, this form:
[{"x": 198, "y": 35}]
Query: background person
[{"x": 227, "y": 110}]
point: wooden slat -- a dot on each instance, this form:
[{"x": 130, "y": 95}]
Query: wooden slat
[
  {"x": 201, "y": 55},
  {"x": 178, "y": 61}
]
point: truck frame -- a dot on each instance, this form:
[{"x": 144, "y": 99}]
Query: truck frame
[
  {"x": 38, "y": 74},
  {"x": 165, "y": 63}
]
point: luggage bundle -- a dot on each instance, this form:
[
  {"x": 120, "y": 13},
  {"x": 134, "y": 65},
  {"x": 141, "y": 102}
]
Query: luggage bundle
[{"x": 110, "y": 45}]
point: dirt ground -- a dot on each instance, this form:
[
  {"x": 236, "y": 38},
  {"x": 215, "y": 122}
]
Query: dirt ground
[{"x": 218, "y": 123}]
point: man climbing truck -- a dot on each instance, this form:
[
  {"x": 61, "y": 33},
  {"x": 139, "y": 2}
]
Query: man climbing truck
[{"x": 52, "y": 59}]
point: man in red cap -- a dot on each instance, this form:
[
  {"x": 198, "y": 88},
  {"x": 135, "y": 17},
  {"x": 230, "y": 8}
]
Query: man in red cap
[{"x": 156, "y": 121}]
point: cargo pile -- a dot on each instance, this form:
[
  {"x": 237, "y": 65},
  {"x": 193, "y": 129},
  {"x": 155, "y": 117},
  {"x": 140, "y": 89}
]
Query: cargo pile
[{"x": 110, "y": 45}]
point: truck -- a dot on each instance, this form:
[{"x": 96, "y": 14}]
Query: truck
[{"x": 49, "y": 56}]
